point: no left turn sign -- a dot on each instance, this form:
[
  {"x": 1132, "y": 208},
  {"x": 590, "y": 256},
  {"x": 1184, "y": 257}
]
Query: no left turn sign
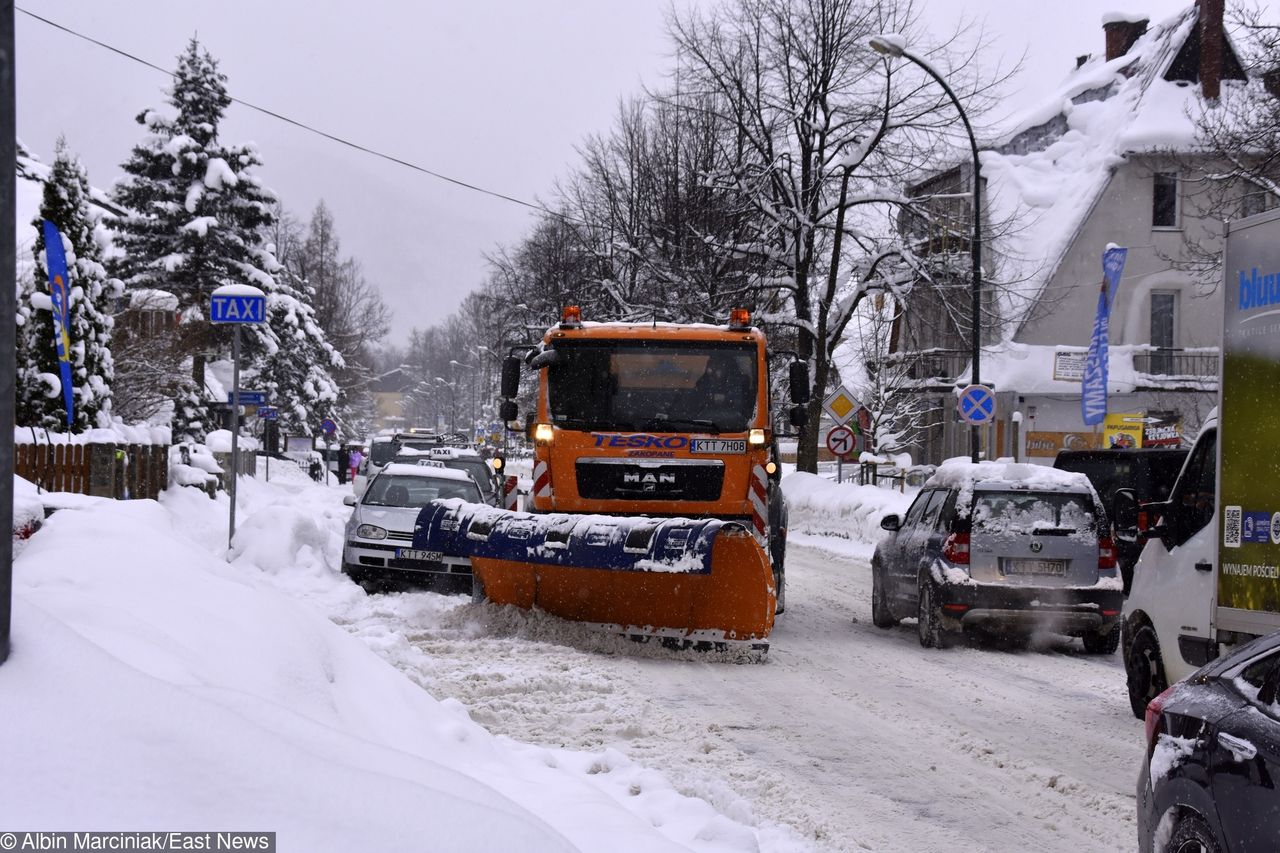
[{"x": 841, "y": 441}]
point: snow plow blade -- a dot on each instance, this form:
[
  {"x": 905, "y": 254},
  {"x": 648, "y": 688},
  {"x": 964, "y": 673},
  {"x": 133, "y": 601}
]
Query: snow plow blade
[{"x": 696, "y": 581}]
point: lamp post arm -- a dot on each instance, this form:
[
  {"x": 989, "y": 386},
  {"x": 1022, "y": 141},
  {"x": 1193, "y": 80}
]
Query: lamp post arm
[{"x": 975, "y": 247}]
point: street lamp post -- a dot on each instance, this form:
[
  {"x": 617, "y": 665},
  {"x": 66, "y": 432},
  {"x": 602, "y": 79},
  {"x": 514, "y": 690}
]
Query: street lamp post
[
  {"x": 472, "y": 385},
  {"x": 453, "y": 402},
  {"x": 892, "y": 45}
]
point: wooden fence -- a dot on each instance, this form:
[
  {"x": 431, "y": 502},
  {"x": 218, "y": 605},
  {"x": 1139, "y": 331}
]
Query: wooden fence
[{"x": 106, "y": 470}]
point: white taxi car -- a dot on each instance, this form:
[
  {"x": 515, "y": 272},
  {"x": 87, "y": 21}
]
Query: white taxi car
[
  {"x": 379, "y": 536},
  {"x": 462, "y": 459}
]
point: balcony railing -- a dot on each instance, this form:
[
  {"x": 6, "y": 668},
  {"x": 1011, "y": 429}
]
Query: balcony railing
[
  {"x": 928, "y": 367},
  {"x": 1171, "y": 362},
  {"x": 1167, "y": 368}
]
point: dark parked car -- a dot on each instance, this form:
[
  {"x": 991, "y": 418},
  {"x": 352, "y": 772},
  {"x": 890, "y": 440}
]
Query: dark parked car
[
  {"x": 1006, "y": 548},
  {"x": 1208, "y": 782},
  {"x": 1148, "y": 472}
]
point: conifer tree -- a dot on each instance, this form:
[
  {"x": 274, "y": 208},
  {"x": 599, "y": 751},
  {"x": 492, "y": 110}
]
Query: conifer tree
[
  {"x": 91, "y": 305},
  {"x": 296, "y": 365},
  {"x": 197, "y": 217}
]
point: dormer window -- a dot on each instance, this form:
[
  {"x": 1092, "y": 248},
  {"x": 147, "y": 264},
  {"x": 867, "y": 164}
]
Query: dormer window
[{"x": 1164, "y": 200}]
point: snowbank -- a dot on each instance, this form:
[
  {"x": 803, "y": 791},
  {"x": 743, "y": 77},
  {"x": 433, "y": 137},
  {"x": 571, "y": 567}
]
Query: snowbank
[
  {"x": 153, "y": 686},
  {"x": 117, "y": 433},
  {"x": 819, "y": 506},
  {"x": 219, "y": 441}
]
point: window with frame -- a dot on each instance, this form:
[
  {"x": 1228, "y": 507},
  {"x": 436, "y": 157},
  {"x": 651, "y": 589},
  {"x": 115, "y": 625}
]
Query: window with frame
[
  {"x": 1164, "y": 200},
  {"x": 1164, "y": 330},
  {"x": 1255, "y": 201}
]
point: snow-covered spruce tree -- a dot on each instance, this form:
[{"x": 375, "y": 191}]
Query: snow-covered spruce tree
[
  {"x": 295, "y": 363},
  {"x": 197, "y": 216},
  {"x": 90, "y": 307}
]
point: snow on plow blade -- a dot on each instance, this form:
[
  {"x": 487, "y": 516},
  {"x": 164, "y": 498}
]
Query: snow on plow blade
[{"x": 697, "y": 581}]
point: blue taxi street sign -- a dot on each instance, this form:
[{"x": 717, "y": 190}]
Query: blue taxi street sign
[
  {"x": 268, "y": 413},
  {"x": 977, "y": 405},
  {"x": 237, "y": 306},
  {"x": 247, "y": 398}
]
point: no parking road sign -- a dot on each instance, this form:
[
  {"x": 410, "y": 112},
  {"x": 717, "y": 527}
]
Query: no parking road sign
[
  {"x": 841, "y": 441},
  {"x": 977, "y": 405}
]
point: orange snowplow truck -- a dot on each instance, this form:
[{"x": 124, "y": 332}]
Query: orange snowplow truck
[{"x": 656, "y": 505}]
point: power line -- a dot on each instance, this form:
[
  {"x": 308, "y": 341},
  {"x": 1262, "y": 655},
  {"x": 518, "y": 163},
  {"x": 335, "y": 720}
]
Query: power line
[{"x": 309, "y": 128}]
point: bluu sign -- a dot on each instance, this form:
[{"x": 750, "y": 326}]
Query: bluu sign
[{"x": 237, "y": 308}]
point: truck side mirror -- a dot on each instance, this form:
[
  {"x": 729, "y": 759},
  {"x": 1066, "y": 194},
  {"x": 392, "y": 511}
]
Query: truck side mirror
[
  {"x": 528, "y": 426},
  {"x": 510, "y": 378},
  {"x": 1124, "y": 514},
  {"x": 508, "y": 411},
  {"x": 798, "y": 415},
  {"x": 799, "y": 381}
]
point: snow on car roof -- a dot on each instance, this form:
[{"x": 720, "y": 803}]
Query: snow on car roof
[
  {"x": 439, "y": 452},
  {"x": 432, "y": 471},
  {"x": 960, "y": 473}
]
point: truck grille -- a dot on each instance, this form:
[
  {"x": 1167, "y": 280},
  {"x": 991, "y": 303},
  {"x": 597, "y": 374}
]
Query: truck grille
[{"x": 632, "y": 480}]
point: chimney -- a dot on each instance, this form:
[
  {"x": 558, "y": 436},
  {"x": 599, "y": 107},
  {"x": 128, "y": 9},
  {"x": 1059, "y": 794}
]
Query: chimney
[
  {"x": 1211, "y": 44},
  {"x": 1121, "y": 33}
]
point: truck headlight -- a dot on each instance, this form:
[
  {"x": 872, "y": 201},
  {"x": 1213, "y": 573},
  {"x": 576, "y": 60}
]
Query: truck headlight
[
  {"x": 755, "y": 438},
  {"x": 370, "y": 531},
  {"x": 542, "y": 433}
]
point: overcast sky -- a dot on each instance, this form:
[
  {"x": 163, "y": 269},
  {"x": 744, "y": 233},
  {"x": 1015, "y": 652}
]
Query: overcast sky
[{"x": 492, "y": 92}]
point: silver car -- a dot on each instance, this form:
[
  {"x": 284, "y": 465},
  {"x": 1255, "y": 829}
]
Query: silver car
[
  {"x": 379, "y": 535},
  {"x": 1003, "y": 547}
]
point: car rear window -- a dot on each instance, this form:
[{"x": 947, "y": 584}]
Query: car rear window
[
  {"x": 477, "y": 468},
  {"x": 382, "y": 452},
  {"x": 999, "y": 513},
  {"x": 409, "y": 491}
]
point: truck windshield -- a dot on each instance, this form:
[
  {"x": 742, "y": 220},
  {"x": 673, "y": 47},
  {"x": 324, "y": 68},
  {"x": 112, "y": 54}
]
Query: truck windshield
[{"x": 654, "y": 386}]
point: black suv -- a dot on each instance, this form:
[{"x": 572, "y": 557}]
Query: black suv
[{"x": 1149, "y": 472}]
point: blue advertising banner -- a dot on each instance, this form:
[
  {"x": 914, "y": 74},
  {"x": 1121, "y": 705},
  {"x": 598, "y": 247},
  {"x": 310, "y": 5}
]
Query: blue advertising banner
[
  {"x": 1093, "y": 390},
  {"x": 56, "y": 263}
]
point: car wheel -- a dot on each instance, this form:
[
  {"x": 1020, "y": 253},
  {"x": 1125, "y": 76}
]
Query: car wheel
[
  {"x": 1144, "y": 670},
  {"x": 1098, "y": 643},
  {"x": 881, "y": 615},
  {"x": 929, "y": 616},
  {"x": 1192, "y": 835},
  {"x": 780, "y": 584}
]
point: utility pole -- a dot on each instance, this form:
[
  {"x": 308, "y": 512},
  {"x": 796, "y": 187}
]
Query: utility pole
[{"x": 8, "y": 313}]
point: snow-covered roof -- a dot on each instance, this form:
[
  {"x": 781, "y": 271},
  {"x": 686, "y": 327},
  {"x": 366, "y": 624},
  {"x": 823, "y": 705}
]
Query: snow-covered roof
[
  {"x": 1046, "y": 174},
  {"x": 435, "y": 472},
  {"x": 147, "y": 299}
]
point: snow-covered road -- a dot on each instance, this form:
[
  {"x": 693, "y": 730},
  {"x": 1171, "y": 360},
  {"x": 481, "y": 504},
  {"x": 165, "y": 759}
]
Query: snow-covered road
[{"x": 856, "y": 738}]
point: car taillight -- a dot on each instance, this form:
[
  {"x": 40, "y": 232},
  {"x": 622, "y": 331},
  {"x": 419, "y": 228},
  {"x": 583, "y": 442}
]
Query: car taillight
[
  {"x": 1151, "y": 721},
  {"x": 1106, "y": 553},
  {"x": 1144, "y": 520},
  {"x": 956, "y": 548}
]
